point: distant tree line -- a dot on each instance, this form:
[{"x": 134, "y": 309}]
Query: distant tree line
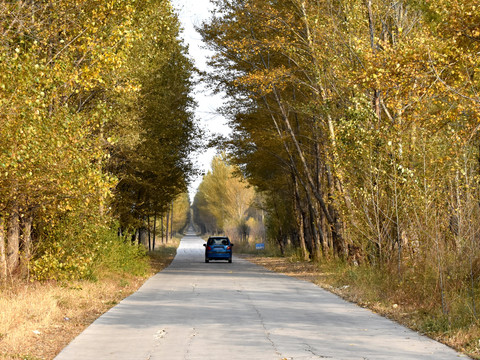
[{"x": 226, "y": 204}]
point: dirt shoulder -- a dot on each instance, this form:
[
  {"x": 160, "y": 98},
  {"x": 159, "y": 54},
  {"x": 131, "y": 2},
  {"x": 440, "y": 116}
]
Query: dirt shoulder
[{"x": 37, "y": 320}]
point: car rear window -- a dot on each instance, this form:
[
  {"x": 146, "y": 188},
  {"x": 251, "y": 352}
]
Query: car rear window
[{"x": 217, "y": 241}]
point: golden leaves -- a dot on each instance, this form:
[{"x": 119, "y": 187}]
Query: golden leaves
[
  {"x": 53, "y": 67},
  {"x": 265, "y": 81}
]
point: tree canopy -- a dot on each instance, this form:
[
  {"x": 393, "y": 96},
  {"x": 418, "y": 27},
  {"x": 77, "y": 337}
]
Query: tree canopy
[
  {"x": 361, "y": 118},
  {"x": 96, "y": 118}
]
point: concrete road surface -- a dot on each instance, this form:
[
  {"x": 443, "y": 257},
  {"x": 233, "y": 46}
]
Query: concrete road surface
[{"x": 193, "y": 310}]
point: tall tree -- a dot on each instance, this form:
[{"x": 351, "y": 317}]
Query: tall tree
[
  {"x": 152, "y": 160},
  {"x": 94, "y": 96}
]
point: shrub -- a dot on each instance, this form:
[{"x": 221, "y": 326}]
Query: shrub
[
  {"x": 119, "y": 255},
  {"x": 73, "y": 252}
]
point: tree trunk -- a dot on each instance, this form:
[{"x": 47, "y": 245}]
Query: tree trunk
[
  {"x": 149, "y": 232},
  {"x": 336, "y": 228},
  {"x": 161, "y": 227},
  {"x": 307, "y": 231},
  {"x": 318, "y": 239},
  {"x": 166, "y": 227},
  {"x": 280, "y": 242},
  {"x": 300, "y": 224},
  {"x": 171, "y": 223},
  {"x": 371, "y": 28},
  {"x": 154, "y": 229},
  {"x": 3, "y": 258},
  {"x": 13, "y": 240},
  {"x": 27, "y": 222}
]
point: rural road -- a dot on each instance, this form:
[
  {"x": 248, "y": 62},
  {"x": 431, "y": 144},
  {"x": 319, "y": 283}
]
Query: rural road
[{"x": 193, "y": 310}]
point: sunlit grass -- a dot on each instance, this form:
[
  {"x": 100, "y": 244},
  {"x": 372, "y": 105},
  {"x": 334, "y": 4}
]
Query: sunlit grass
[{"x": 37, "y": 319}]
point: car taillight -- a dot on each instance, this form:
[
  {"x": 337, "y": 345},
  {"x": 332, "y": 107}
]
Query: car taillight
[
  {"x": 209, "y": 248},
  {"x": 229, "y": 247}
]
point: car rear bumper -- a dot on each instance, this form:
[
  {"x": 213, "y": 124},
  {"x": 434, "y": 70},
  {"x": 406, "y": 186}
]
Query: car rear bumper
[{"x": 214, "y": 256}]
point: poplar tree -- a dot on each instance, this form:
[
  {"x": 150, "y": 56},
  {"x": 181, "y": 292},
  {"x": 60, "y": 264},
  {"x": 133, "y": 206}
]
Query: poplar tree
[{"x": 96, "y": 122}]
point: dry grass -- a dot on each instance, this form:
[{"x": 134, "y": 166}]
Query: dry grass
[
  {"x": 404, "y": 311},
  {"x": 37, "y": 320}
]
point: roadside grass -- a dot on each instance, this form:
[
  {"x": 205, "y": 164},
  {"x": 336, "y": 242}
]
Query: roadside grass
[
  {"x": 248, "y": 248},
  {"x": 164, "y": 254},
  {"x": 410, "y": 301},
  {"x": 38, "y": 319}
]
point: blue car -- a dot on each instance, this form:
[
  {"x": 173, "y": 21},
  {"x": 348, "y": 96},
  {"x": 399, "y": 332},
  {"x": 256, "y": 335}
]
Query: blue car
[{"x": 218, "y": 248}]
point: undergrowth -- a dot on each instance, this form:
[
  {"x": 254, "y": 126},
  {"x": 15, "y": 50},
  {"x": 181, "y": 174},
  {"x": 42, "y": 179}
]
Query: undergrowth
[
  {"x": 63, "y": 308},
  {"x": 249, "y": 247},
  {"x": 73, "y": 253},
  {"x": 410, "y": 297}
]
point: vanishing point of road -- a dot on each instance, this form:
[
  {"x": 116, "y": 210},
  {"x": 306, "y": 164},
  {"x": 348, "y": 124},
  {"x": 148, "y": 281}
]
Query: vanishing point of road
[{"x": 193, "y": 310}]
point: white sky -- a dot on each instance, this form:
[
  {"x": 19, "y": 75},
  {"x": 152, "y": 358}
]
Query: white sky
[{"x": 192, "y": 13}]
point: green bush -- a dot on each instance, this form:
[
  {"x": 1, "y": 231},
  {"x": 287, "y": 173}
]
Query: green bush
[
  {"x": 72, "y": 251},
  {"x": 119, "y": 255},
  {"x": 66, "y": 251}
]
